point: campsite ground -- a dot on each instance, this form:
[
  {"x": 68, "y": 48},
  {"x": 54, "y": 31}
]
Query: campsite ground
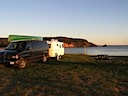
[{"x": 73, "y": 75}]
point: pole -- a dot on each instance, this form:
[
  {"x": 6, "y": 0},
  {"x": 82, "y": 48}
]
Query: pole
[{"x": 84, "y": 49}]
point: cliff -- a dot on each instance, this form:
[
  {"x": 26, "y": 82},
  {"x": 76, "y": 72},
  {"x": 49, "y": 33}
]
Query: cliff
[
  {"x": 72, "y": 42},
  {"x": 68, "y": 42}
]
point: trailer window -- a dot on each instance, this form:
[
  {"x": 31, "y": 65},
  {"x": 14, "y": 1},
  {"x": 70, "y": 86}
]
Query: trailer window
[
  {"x": 60, "y": 46},
  {"x": 49, "y": 45}
]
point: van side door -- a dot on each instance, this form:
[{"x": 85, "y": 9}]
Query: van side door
[
  {"x": 39, "y": 48},
  {"x": 27, "y": 53},
  {"x": 37, "y": 51}
]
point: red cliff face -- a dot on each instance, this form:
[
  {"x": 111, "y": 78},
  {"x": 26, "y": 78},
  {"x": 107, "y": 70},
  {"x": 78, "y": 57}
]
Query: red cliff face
[{"x": 68, "y": 45}]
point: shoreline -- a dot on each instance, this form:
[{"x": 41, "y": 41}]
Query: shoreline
[{"x": 2, "y": 48}]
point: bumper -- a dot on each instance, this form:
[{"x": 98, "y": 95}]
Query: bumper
[{"x": 8, "y": 62}]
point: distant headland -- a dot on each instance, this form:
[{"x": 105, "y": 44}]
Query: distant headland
[
  {"x": 68, "y": 42},
  {"x": 72, "y": 42}
]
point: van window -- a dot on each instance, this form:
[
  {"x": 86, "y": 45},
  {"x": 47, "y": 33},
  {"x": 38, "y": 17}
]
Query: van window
[
  {"x": 29, "y": 46},
  {"x": 16, "y": 46},
  {"x": 21, "y": 46},
  {"x": 12, "y": 46},
  {"x": 39, "y": 45}
]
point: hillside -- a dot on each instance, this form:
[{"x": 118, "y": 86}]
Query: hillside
[
  {"x": 68, "y": 42},
  {"x": 72, "y": 42}
]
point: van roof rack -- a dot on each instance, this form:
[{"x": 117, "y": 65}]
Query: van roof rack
[{"x": 13, "y": 38}]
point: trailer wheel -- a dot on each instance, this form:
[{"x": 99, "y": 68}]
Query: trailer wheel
[
  {"x": 60, "y": 57},
  {"x": 22, "y": 63},
  {"x": 44, "y": 58},
  {"x": 57, "y": 57}
]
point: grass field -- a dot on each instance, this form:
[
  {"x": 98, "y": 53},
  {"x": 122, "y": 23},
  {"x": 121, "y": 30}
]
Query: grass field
[{"x": 73, "y": 75}]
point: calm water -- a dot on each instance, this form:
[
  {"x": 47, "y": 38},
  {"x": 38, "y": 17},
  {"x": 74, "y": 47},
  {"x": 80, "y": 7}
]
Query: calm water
[{"x": 110, "y": 50}]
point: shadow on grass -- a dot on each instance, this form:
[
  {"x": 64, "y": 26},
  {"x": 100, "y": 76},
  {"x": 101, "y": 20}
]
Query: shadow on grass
[
  {"x": 114, "y": 67},
  {"x": 91, "y": 64}
]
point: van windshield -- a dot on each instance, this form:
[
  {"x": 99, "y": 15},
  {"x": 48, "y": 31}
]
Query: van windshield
[{"x": 16, "y": 46}]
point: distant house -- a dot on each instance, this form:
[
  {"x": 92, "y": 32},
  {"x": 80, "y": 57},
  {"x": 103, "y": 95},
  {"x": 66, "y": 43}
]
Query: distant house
[{"x": 3, "y": 42}]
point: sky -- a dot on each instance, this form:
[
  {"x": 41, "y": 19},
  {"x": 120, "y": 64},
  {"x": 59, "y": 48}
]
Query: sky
[{"x": 98, "y": 21}]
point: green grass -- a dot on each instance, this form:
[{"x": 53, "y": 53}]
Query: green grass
[{"x": 73, "y": 75}]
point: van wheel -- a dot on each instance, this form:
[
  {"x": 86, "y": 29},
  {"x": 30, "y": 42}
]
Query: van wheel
[
  {"x": 22, "y": 63},
  {"x": 44, "y": 58}
]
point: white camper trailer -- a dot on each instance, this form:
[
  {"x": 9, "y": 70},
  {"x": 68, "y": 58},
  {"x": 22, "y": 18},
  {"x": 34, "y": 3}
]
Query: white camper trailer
[{"x": 56, "y": 49}]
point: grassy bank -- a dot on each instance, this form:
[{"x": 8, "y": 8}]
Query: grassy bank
[{"x": 73, "y": 75}]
